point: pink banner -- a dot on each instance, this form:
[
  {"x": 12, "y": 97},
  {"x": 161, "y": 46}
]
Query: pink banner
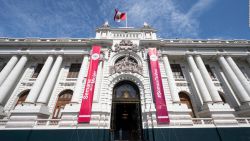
[
  {"x": 85, "y": 111},
  {"x": 161, "y": 108}
]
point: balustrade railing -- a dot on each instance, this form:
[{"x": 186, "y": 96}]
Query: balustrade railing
[
  {"x": 202, "y": 121},
  {"x": 196, "y": 122}
]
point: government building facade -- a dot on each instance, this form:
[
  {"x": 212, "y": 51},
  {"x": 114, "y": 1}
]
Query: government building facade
[{"x": 124, "y": 84}]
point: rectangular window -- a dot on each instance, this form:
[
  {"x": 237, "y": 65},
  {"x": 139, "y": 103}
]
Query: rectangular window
[
  {"x": 74, "y": 70},
  {"x": 3, "y": 65},
  {"x": 243, "y": 70},
  {"x": 37, "y": 70},
  {"x": 210, "y": 72},
  {"x": 177, "y": 72}
]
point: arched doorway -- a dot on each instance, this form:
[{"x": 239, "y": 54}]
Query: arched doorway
[
  {"x": 185, "y": 99},
  {"x": 63, "y": 99},
  {"x": 22, "y": 97},
  {"x": 126, "y": 123}
]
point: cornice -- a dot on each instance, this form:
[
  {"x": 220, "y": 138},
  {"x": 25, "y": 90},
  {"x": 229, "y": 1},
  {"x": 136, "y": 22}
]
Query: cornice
[
  {"x": 196, "y": 43},
  {"x": 52, "y": 42}
]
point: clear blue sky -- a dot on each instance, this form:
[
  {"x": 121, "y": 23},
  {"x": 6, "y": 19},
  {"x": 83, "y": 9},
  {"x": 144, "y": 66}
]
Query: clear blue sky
[{"x": 200, "y": 19}]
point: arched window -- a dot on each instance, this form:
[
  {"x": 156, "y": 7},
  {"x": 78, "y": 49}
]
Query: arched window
[
  {"x": 22, "y": 96},
  {"x": 186, "y": 100},
  {"x": 63, "y": 99},
  {"x": 222, "y": 97}
]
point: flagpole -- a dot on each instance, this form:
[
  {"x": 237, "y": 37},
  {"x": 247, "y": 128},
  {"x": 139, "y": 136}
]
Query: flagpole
[{"x": 126, "y": 20}]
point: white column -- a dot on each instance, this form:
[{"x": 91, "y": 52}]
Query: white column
[
  {"x": 207, "y": 79},
  {"x": 6, "y": 70},
  {"x": 171, "y": 81},
  {"x": 199, "y": 81},
  {"x": 239, "y": 74},
  {"x": 98, "y": 81},
  {"x": 10, "y": 81},
  {"x": 35, "y": 90},
  {"x": 50, "y": 82},
  {"x": 79, "y": 83},
  {"x": 233, "y": 80}
]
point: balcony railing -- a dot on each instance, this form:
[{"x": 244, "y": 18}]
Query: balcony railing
[
  {"x": 47, "y": 122},
  {"x": 202, "y": 121},
  {"x": 197, "y": 122}
]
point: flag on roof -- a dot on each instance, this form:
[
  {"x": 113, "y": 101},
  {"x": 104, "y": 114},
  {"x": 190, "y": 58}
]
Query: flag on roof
[{"x": 119, "y": 16}]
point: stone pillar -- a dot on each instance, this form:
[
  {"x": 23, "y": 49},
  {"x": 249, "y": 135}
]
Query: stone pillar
[
  {"x": 12, "y": 78},
  {"x": 207, "y": 79},
  {"x": 199, "y": 80},
  {"x": 50, "y": 82},
  {"x": 6, "y": 70},
  {"x": 171, "y": 81},
  {"x": 98, "y": 82},
  {"x": 79, "y": 82},
  {"x": 239, "y": 74},
  {"x": 35, "y": 90},
  {"x": 233, "y": 80}
]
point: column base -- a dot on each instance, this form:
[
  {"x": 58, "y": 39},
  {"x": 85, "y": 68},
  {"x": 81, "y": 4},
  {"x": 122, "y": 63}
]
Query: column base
[
  {"x": 25, "y": 115},
  {"x": 179, "y": 114},
  {"x": 222, "y": 114},
  {"x": 70, "y": 115},
  {"x": 99, "y": 119},
  {"x": 2, "y": 114},
  {"x": 244, "y": 110}
]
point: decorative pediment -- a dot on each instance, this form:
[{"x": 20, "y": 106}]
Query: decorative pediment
[{"x": 126, "y": 64}]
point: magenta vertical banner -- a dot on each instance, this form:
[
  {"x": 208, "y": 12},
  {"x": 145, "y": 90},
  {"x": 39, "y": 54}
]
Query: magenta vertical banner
[
  {"x": 87, "y": 99},
  {"x": 161, "y": 108}
]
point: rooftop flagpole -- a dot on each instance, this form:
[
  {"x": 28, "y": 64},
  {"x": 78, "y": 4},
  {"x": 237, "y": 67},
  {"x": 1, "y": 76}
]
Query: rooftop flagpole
[{"x": 126, "y": 20}]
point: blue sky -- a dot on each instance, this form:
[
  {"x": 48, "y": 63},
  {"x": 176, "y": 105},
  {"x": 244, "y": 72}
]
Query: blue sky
[{"x": 199, "y": 19}]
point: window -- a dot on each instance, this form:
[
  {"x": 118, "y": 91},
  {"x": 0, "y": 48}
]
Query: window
[
  {"x": 177, "y": 72},
  {"x": 74, "y": 70},
  {"x": 186, "y": 100},
  {"x": 243, "y": 70},
  {"x": 222, "y": 97},
  {"x": 22, "y": 97},
  {"x": 210, "y": 72},
  {"x": 2, "y": 66},
  {"x": 37, "y": 70},
  {"x": 63, "y": 99}
]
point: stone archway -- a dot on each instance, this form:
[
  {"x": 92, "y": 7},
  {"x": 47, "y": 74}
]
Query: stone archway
[
  {"x": 126, "y": 119},
  {"x": 185, "y": 99}
]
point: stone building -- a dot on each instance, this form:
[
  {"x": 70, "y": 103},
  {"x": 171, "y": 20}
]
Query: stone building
[{"x": 205, "y": 87}]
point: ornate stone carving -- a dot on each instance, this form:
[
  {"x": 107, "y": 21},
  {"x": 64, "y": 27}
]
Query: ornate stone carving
[
  {"x": 126, "y": 65},
  {"x": 126, "y": 45}
]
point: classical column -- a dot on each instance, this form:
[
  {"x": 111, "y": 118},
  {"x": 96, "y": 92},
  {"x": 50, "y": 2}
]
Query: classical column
[
  {"x": 79, "y": 83},
  {"x": 207, "y": 79},
  {"x": 35, "y": 90},
  {"x": 233, "y": 80},
  {"x": 171, "y": 81},
  {"x": 6, "y": 70},
  {"x": 239, "y": 74},
  {"x": 199, "y": 81},
  {"x": 50, "y": 82},
  {"x": 98, "y": 81},
  {"x": 12, "y": 78}
]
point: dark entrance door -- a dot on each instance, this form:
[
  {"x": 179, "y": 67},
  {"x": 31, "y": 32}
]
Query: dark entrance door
[{"x": 126, "y": 121}]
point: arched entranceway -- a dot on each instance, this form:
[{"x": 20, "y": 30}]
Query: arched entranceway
[
  {"x": 186, "y": 100},
  {"x": 63, "y": 99},
  {"x": 126, "y": 123}
]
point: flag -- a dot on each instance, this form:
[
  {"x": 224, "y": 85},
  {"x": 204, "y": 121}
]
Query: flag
[{"x": 119, "y": 16}]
